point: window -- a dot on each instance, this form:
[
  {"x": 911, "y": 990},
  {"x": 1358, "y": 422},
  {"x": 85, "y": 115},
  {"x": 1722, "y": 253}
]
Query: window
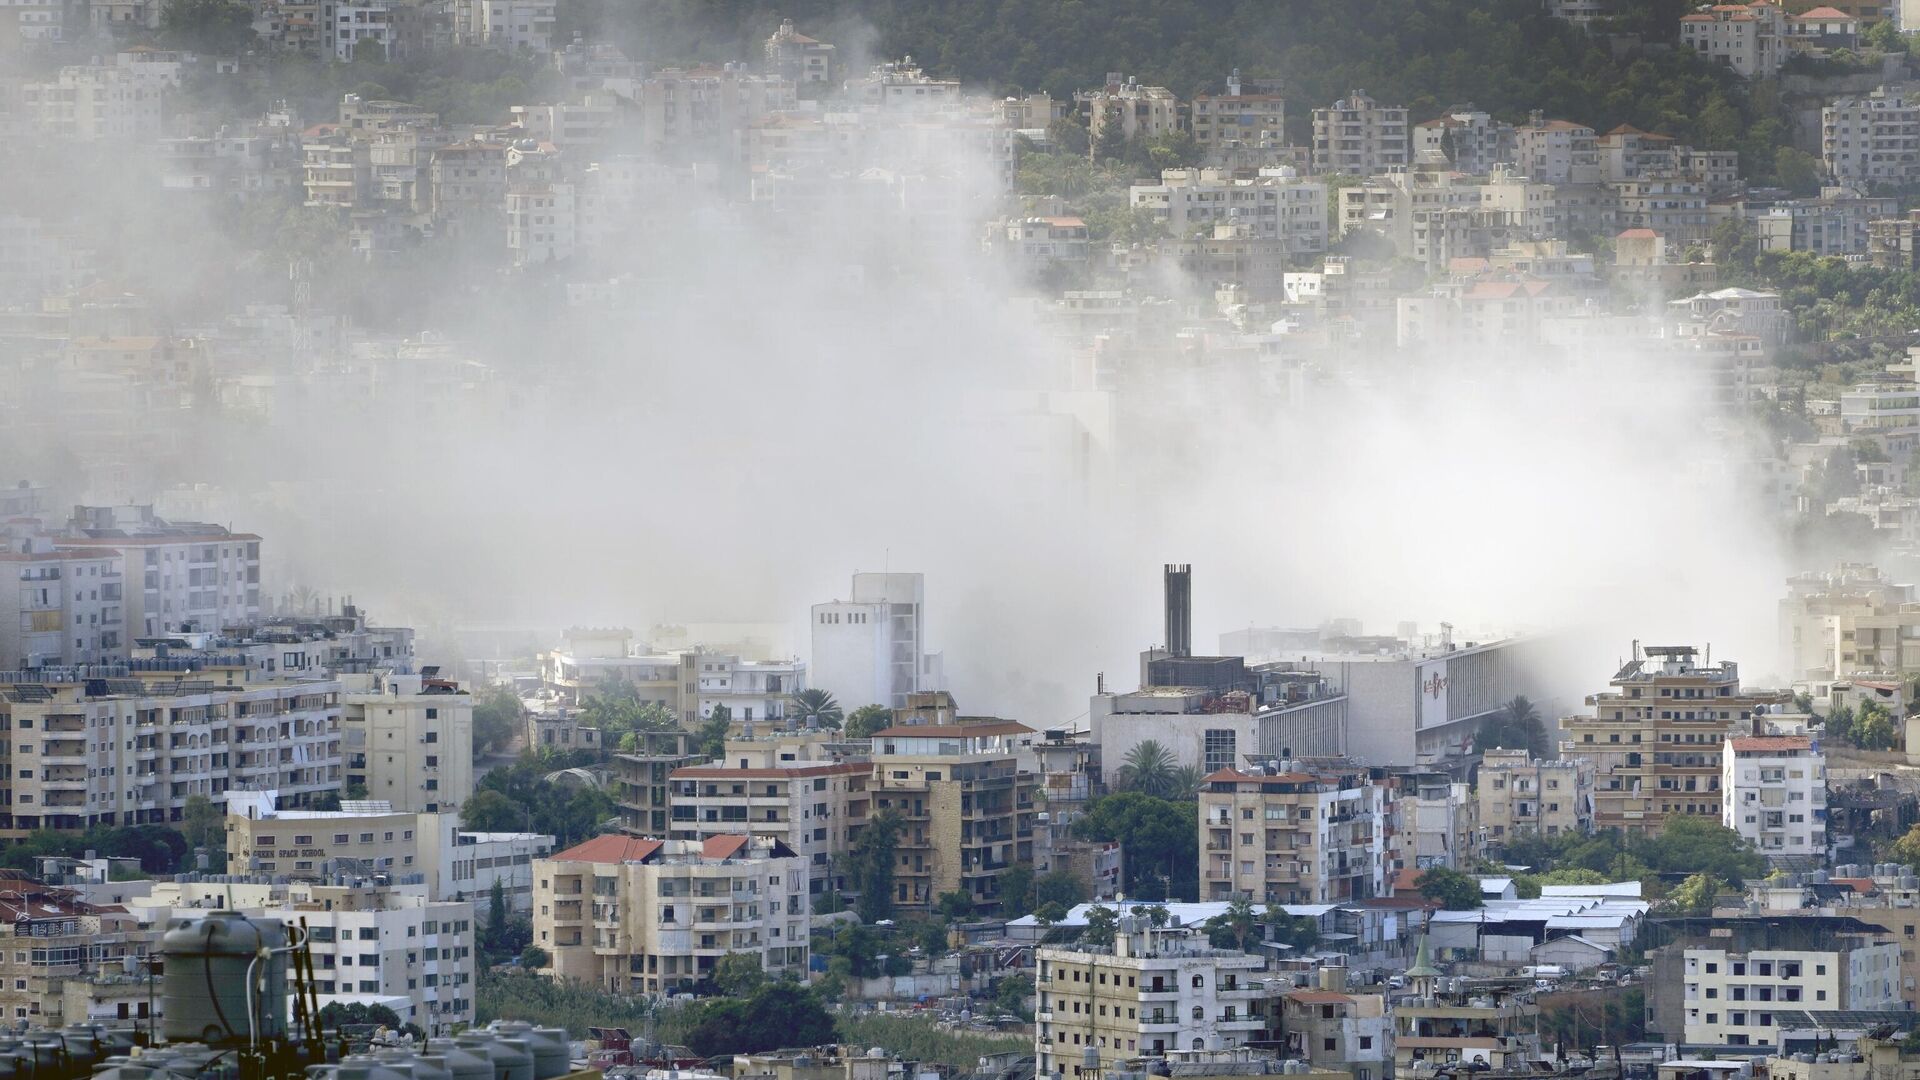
[{"x": 1220, "y": 749}]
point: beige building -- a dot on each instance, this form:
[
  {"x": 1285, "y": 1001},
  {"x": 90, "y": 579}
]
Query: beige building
[
  {"x": 965, "y": 805},
  {"x": 1331, "y": 1028},
  {"x": 640, "y": 779},
  {"x": 1557, "y": 151},
  {"x": 1143, "y": 112},
  {"x": 1358, "y": 136},
  {"x": 1518, "y": 794},
  {"x": 178, "y": 731},
  {"x": 1235, "y": 119},
  {"x": 654, "y": 916},
  {"x": 815, "y": 808},
  {"x": 1731, "y": 996},
  {"x": 1291, "y": 837},
  {"x": 51, "y": 944},
  {"x": 1850, "y": 621},
  {"x": 1156, "y": 990},
  {"x": 1871, "y": 139},
  {"x": 1656, "y": 737},
  {"x": 409, "y": 740}
]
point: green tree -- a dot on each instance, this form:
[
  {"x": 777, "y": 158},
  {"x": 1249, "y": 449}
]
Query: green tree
[
  {"x": 711, "y": 740},
  {"x": 1111, "y": 142},
  {"x": 1906, "y": 848},
  {"x": 533, "y": 957},
  {"x": 202, "y": 824},
  {"x": 1694, "y": 896},
  {"x": 1451, "y": 889},
  {"x": 739, "y": 974},
  {"x": 1515, "y": 727},
  {"x": 815, "y": 708},
  {"x": 1017, "y": 891},
  {"x": 497, "y": 717},
  {"x": 1149, "y": 770},
  {"x": 776, "y": 1015},
  {"x": 1011, "y": 994},
  {"x": 1160, "y": 837},
  {"x": 868, "y": 719},
  {"x": 1234, "y": 927},
  {"x": 871, "y": 862},
  {"x": 1068, "y": 135},
  {"x": 216, "y": 27},
  {"x": 1102, "y": 926},
  {"x": 1048, "y": 915},
  {"x": 957, "y": 904},
  {"x": 1797, "y": 171}
]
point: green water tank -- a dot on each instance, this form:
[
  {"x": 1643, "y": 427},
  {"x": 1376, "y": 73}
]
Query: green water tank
[{"x": 206, "y": 979}]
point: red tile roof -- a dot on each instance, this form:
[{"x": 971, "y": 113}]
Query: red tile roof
[
  {"x": 1638, "y": 234},
  {"x": 611, "y": 848},
  {"x": 722, "y": 847},
  {"x": 1772, "y": 742}
]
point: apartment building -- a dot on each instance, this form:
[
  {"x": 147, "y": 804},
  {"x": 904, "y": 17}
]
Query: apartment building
[
  {"x": 1427, "y": 819},
  {"x": 1749, "y": 38},
  {"x": 95, "y": 102},
  {"x": 372, "y": 943},
  {"x": 1556, "y": 151},
  {"x": 1222, "y": 122},
  {"x": 1143, "y": 112},
  {"x": 371, "y": 838},
  {"x": 1155, "y": 991},
  {"x": 654, "y": 916},
  {"x": 871, "y": 648},
  {"x": 1657, "y": 738},
  {"x": 1873, "y": 138},
  {"x": 1277, "y": 204},
  {"x": 54, "y": 943},
  {"x": 1461, "y": 1020},
  {"x": 1776, "y": 796},
  {"x": 641, "y": 777},
  {"x": 751, "y": 691},
  {"x": 1519, "y": 794},
  {"x": 133, "y": 749},
  {"x": 193, "y": 575},
  {"x": 408, "y": 739},
  {"x": 60, "y": 606},
  {"x": 1674, "y": 207},
  {"x": 1292, "y": 837},
  {"x": 511, "y": 25},
  {"x": 1467, "y": 139},
  {"x": 1732, "y": 997},
  {"x": 814, "y": 808},
  {"x": 964, "y": 805},
  {"x": 799, "y": 59},
  {"x": 1852, "y": 620},
  {"x": 1358, "y": 136},
  {"x": 1332, "y": 1028}
]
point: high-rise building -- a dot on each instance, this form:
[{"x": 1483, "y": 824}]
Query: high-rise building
[
  {"x": 1776, "y": 797},
  {"x": 1656, "y": 739},
  {"x": 190, "y": 575},
  {"x": 1519, "y": 794},
  {"x": 409, "y": 740},
  {"x": 1358, "y": 136},
  {"x": 1295, "y": 837},
  {"x": 815, "y": 807},
  {"x": 870, "y": 649}
]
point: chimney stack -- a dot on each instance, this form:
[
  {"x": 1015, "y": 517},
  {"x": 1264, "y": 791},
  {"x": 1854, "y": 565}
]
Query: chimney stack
[{"x": 1179, "y": 596}]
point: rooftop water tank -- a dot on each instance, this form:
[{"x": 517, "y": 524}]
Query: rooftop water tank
[{"x": 206, "y": 979}]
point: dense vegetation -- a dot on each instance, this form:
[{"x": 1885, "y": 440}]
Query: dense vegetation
[
  {"x": 1505, "y": 56},
  {"x": 519, "y": 797},
  {"x": 1686, "y": 846}
]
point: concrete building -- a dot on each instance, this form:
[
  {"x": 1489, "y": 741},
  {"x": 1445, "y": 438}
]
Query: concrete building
[
  {"x": 63, "y": 606},
  {"x": 408, "y": 739},
  {"x": 655, "y": 916},
  {"x": 1294, "y": 837},
  {"x": 1732, "y": 996},
  {"x": 1357, "y": 136},
  {"x": 871, "y": 648},
  {"x": 1519, "y": 794},
  {"x": 176, "y": 739},
  {"x": 1331, "y": 1027},
  {"x": 1465, "y": 138},
  {"x": 1143, "y": 112},
  {"x": 1776, "y": 797},
  {"x": 1156, "y": 990},
  {"x": 1871, "y": 139},
  {"x": 1469, "y": 1021},
  {"x": 509, "y": 25},
  {"x": 1852, "y": 620},
  {"x": 1749, "y": 38},
  {"x": 192, "y": 575},
  {"x": 1428, "y": 818},
  {"x": 372, "y": 944},
  {"x": 964, "y": 804},
  {"x": 1229, "y": 121},
  {"x": 55, "y": 945},
  {"x": 1277, "y": 204},
  {"x": 1557, "y": 151},
  {"x": 814, "y": 808},
  {"x": 371, "y": 838},
  {"x": 640, "y": 779},
  {"x": 799, "y": 59},
  {"x": 1657, "y": 738}
]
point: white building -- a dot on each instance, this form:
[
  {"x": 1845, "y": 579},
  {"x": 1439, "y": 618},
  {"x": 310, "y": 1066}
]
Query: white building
[
  {"x": 1468, "y": 139},
  {"x": 1749, "y": 38},
  {"x": 60, "y": 606},
  {"x": 752, "y": 691},
  {"x": 870, "y": 649},
  {"x": 1777, "y": 796},
  {"x": 1730, "y": 997},
  {"x": 372, "y": 944},
  {"x": 1873, "y": 139},
  {"x": 505, "y": 24},
  {"x": 1358, "y": 136},
  {"x": 1277, "y": 205},
  {"x": 1155, "y": 990},
  {"x": 191, "y": 575},
  {"x": 408, "y": 740}
]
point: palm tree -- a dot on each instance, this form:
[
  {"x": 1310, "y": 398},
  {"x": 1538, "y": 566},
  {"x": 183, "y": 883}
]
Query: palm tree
[
  {"x": 1515, "y": 727},
  {"x": 1149, "y": 770},
  {"x": 1185, "y": 784},
  {"x": 816, "y": 707}
]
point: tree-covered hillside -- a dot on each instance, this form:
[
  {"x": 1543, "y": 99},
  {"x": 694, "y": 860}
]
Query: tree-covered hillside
[{"x": 1505, "y": 56}]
